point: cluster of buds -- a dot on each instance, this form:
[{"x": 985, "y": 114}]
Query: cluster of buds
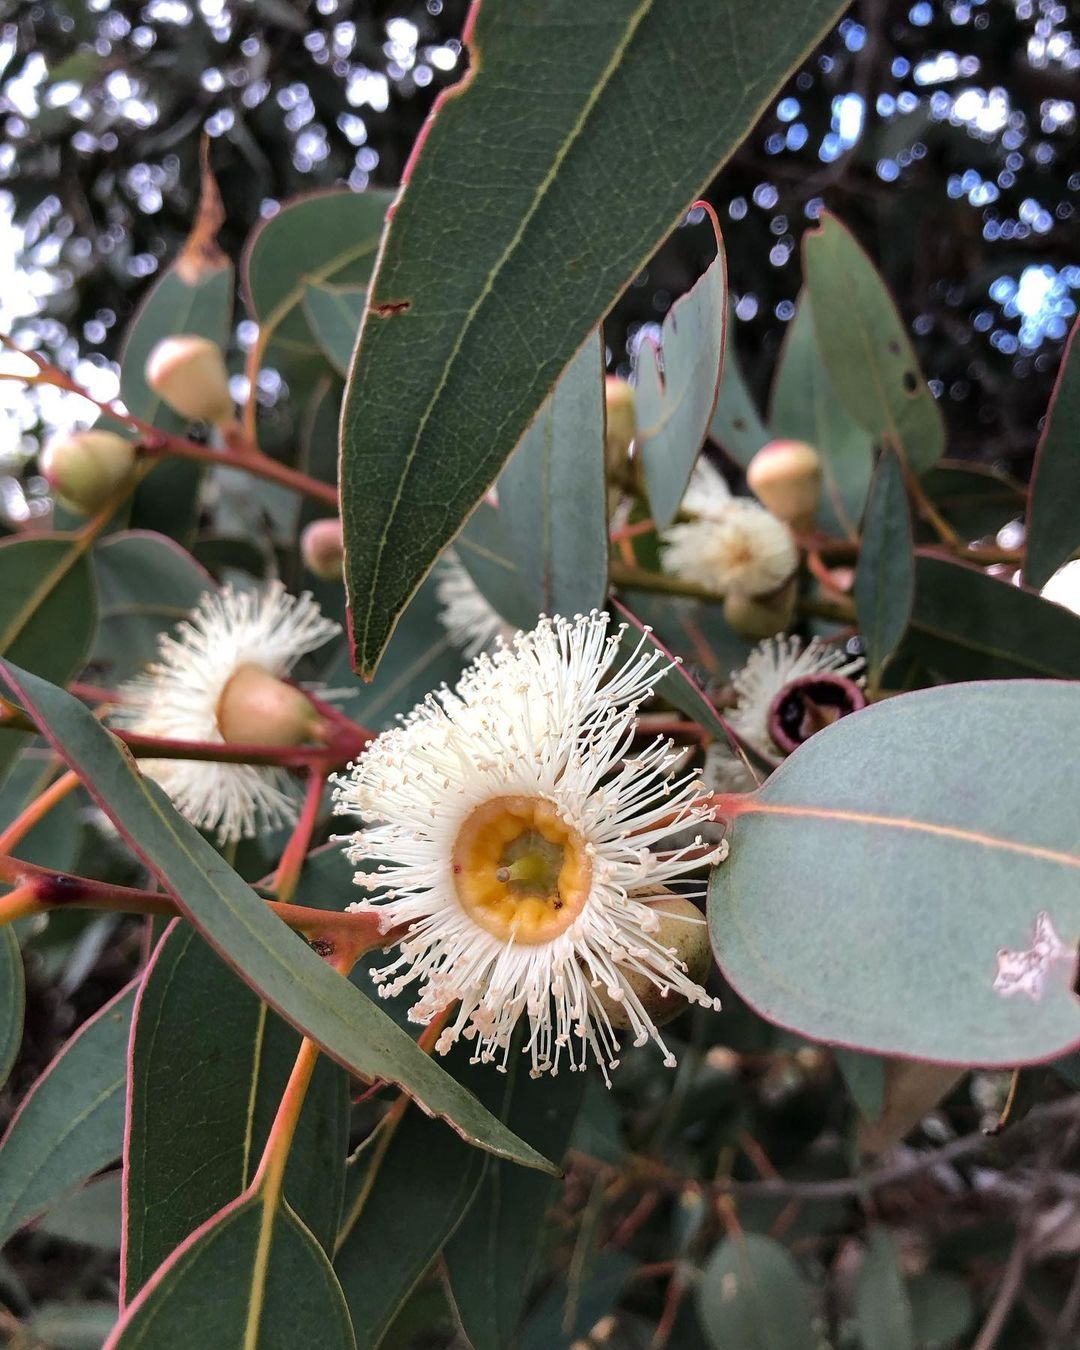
[{"x": 87, "y": 469}]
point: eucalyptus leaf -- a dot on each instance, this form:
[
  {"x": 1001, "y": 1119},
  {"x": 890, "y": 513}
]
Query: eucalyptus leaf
[
  {"x": 937, "y": 863},
  {"x": 333, "y": 313},
  {"x": 386, "y": 1246},
  {"x": 220, "y": 1288},
  {"x": 552, "y": 502},
  {"x": 676, "y": 387},
  {"x": 491, "y": 1256},
  {"x": 1053, "y": 516},
  {"x": 967, "y": 624},
  {"x": 202, "y": 1036},
  {"x": 752, "y": 1296},
  {"x": 885, "y": 575},
  {"x": 804, "y": 407},
  {"x": 871, "y": 363},
  {"x": 71, "y": 1123},
  {"x": 736, "y": 425},
  {"x": 146, "y": 585},
  {"x": 446, "y": 377},
  {"x": 882, "y": 1306},
  {"x": 12, "y": 1001}
]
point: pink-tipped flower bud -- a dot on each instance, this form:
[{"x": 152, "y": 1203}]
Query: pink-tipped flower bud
[
  {"x": 683, "y": 930},
  {"x": 189, "y": 374},
  {"x": 810, "y": 703},
  {"x": 256, "y": 708},
  {"x": 755, "y": 617},
  {"x": 322, "y": 548},
  {"x": 785, "y": 476},
  {"x": 85, "y": 468}
]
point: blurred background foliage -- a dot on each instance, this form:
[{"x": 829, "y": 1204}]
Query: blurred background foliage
[{"x": 943, "y": 133}]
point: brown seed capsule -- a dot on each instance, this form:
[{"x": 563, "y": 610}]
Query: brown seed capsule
[
  {"x": 760, "y": 616},
  {"x": 785, "y": 476},
  {"x": 85, "y": 468},
  {"x": 809, "y": 704},
  {"x": 256, "y": 708},
  {"x": 189, "y": 374},
  {"x": 323, "y": 548},
  {"x": 682, "y": 929}
]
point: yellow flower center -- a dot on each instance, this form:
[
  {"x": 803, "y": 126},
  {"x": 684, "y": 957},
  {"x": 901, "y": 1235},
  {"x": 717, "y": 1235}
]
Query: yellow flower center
[{"x": 520, "y": 871}]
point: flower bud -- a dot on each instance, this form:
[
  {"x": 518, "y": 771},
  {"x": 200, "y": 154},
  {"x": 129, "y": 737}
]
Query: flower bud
[
  {"x": 256, "y": 708},
  {"x": 322, "y": 548},
  {"x": 621, "y": 422},
  {"x": 809, "y": 704},
  {"x": 785, "y": 476},
  {"x": 189, "y": 375},
  {"x": 682, "y": 929},
  {"x": 85, "y": 468},
  {"x": 760, "y": 616}
]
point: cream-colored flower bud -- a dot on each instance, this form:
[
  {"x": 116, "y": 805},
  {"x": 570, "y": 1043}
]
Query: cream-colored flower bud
[
  {"x": 256, "y": 708},
  {"x": 621, "y": 422},
  {"x": 189, "y": 374},
  {"x": 682, "y": 930},
  {"x": 85, "y": 468},
  {"x": 785, "y": 476},
  {"x": 322, "y": 547},
  {"x": 760, "y": 616}
]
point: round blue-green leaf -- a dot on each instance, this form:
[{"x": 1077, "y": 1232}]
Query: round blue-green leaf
[
  {"x": 908, "y": 882},
  {"x": 752, "y": 1297}
]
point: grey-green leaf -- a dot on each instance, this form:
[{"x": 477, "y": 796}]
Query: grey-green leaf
[
  {"x": 209, "y": 1062},
  {"x": 752, "y": 1296},
  {"x": 238, "y": 925},
  {"x": 805, "y": 408},
  {"x": 491, "y": 1257},
  {"x": 71, "y": 1124},
  {"x": 552, "y": 500},
  {"x": 386, "y": 1245},
  {"x": 966, "y": 624},
  {"x": 220, "y": 1290},
  {"x": 674, "y": 405},
  {"x": 870, "y": 361},
  {"x": 882, "y": 1306},
  {"x": 334, "y": 315},
  {"x": 885, "y": 575},
  {"x": 629, "y": 115},
  {"x": 939, "y": 910},
  {"x": 12, "y": 1001},
  {"x": 1053, "y": 516},
  {"x": 736, "y": 424}
]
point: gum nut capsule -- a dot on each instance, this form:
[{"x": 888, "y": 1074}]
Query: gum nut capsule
[
  {"x": 683, "y": 929},
  {"x": 190, "y": 376},
  {"x": 785, "y": 476},
  {"x": 85, "y": 468}
]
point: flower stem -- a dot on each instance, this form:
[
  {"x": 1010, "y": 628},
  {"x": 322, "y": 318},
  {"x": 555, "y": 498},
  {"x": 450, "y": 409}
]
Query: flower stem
[
  {"x": 41, "y": 889},
  {"x": 641, "y": 579},
  {"x": 40, "y": 807},
  {"x": 292, "y": 859},
  {"x": 269, "y": 1179}
]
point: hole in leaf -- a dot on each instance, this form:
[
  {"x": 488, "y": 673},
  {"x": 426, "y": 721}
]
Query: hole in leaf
[
  {"x": 739, "y": 423},
  {"x": 909, "y": 381}
]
